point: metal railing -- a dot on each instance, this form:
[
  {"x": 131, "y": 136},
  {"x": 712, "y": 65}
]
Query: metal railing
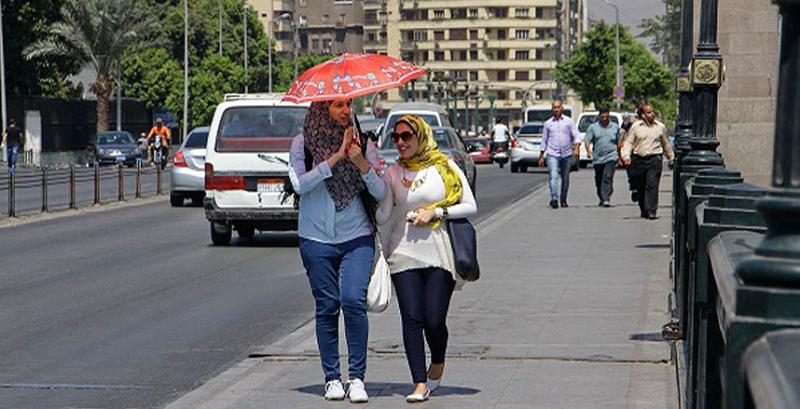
[{"x": 108, "y": 184}]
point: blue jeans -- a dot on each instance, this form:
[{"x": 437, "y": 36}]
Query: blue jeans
[
  {"x": 12, "y": 152},
  {"x": 554, "y": 166},
  {"x": 339, "y": 276}
]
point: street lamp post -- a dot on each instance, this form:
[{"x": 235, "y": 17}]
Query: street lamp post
[
  {"x": 2, "y": 73},
  {"x": 246, "y": 78},
  {"x": 617, "y": 69},
  {"x": 269, "y": 42},
  {"x": 185, "y": 68}
]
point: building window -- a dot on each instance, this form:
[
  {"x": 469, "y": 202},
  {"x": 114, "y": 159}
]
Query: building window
[
  {"x": 520, "y": 95},
  {"x": 473, "y": 75},
  {"x": 370, "y": 17},
  {"x": 522, "y": 76},
  {"x": 543, "y": 75},
  {"x": 458, "y": 34},
  {"x": 438, "y": 14},
  {"x": 315, "y": 44},
  {"x": 501, "y": 55},
  {"x": 458, "y": 13},
  {"x": 546, "y": 13},
  {"x": 473, "y": 13},
  {"x": 498, "y": 12},
  {"x": 438, "y": 55},
  {"x": 501, "y": 34},
  {"x": 325, "y": 18},
  {"x": 458, "y": 55},
  {"x": 371, "y": 38},
  {"x": 420, "y": 35},
  {"x": 502, "y": 95},
  {"x": 521, "y": 34},
  {"x": 458, "y": 74},
  {"x": 473, "y": 34},
  {"x": 521, "y": 13},
  {"x": 521, "y": 55},
  {"x": 326, "y": 45},
  {"x": 473, "y": 55},
  {"x": 438, "y": 35}
]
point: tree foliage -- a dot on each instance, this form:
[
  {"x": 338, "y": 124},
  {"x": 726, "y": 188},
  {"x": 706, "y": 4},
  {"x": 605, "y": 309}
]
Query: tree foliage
[
  {"x": 97, "y": 33},
  {"x": 590, "y": 71},
  {"x": 664, "y": 33},
  {"x": 23, "y": 21}
]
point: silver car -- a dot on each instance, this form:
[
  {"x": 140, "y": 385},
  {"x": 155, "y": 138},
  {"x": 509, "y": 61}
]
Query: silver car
[
  {"x": 525, "y": 147},
  {"x": 187, "y": 179}
]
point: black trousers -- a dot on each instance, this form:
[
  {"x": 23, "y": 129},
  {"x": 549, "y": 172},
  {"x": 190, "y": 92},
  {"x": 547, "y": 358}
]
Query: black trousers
[
  {"x": 604, "y": 179},
  {"x": 648, "y": 176},
  {"x": 424, "y": 297}
]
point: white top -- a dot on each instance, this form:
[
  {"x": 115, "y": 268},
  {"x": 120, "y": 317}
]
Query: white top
[
  {"x": 500, "y": 132},
  {"x": 406, "y": 246}
]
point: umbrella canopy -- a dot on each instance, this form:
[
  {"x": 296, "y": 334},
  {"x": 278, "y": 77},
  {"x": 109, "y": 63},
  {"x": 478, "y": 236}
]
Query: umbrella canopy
[{"x": 350, "y": 76}]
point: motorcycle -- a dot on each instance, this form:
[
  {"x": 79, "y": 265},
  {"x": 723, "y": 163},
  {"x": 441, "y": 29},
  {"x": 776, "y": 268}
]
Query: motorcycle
[{"x": 500, "y": 155}]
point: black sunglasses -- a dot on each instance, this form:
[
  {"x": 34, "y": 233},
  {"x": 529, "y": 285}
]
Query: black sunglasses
[{"x": 405, "y": 136}]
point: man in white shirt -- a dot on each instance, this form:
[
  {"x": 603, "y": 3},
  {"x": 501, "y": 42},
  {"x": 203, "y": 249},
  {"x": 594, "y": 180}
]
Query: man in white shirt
[{"x": 500, "y": 135}]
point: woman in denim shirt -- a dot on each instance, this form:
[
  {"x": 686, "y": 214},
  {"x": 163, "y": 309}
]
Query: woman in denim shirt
[{"x": 336, "y": 236}]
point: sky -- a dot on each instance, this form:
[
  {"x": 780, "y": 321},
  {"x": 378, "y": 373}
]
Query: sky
[{"x": 631, "y": 12}]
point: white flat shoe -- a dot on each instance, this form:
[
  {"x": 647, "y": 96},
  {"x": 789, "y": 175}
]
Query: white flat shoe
[{"x": 418, "y": 397}]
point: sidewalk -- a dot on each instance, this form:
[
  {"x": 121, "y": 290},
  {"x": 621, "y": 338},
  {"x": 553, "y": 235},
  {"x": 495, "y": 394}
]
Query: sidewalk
[{"x": 567, "y": 314}]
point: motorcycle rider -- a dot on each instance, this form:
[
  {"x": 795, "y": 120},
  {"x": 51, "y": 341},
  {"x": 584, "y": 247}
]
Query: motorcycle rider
[
  {"x": 162, "y": 133},
  {"x": 500, "y": 135}
]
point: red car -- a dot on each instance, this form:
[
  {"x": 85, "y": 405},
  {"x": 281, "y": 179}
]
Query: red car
[{"x": 479, "y": 149}]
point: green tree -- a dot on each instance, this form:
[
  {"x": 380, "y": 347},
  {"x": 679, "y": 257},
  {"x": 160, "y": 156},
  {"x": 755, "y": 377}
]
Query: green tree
[
  {"x": 664, "y": 33},
  {"x": 590, "y": 71},
  {"x": 152, "y": 76},
  {"x": 285, "y": 75},
  {"x": 98, "y": 33},
  {"x": 24, "y": 21}
]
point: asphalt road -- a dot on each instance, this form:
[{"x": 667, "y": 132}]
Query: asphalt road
[{"x": 132, "y": 308}]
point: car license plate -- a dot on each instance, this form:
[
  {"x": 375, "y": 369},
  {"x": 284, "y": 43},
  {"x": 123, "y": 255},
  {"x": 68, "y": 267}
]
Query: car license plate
[
  {"x": 270, "y": 185},
  {"x": 120, "y": 159}
]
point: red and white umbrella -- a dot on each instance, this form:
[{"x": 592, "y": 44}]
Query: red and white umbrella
[{"x": 351, "y": 75}]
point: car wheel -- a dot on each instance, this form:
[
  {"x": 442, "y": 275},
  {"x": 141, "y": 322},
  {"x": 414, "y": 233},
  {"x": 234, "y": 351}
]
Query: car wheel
[
  {"x": 514, "y": 168},
  {"x": 220, "y": 234},
  {"x": 502, "y": 165},
  {"x": 524, "y": 169},
  {"x": 584, "y": 164},
  {"x": 246, "y": 231},
  {"x": 176, "y": 199},
  {"x": 197, "y": 200}
]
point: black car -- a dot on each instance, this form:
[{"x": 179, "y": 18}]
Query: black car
[
  {"x": 449, "y": 143},
  {"x": 112, "y": 147}
]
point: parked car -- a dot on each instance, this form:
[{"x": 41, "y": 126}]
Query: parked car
[
  {"x": 247, "y": 164},
  {"x": 187, "y": 179},
  {"x": 479, "y": 149},
  {"x": 112, "y": 147},
  {"x": 585, "y": 120},
  {"x": 449, "y": 143},
  {"x": 525, "y": 147},
  {"x": 435, "y": 115}
]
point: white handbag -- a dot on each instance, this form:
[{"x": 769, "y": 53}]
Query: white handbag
[{"x": 379, "y": 292}]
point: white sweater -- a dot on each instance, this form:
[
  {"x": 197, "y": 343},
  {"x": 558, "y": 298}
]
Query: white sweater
[{"x": 407, "y": 246}]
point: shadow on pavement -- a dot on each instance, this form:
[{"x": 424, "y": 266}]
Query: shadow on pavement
[
  {"x": 392, "y": 389},
  {"x": 268, "y": 239},
  {"x": 652, "y": 246}
]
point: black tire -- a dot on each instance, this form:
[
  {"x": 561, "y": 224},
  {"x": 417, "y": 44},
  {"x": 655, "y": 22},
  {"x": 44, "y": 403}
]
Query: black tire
[
  {"x": 220, "y": 234},
  {"x": 523, "y": 169},
  {"x": 502, "y": 165},
  {"x": 514, "y": 168},
  {"x": 176, "y": 199},
  {"x": 246, "y": 231},
  {"x": 197, "y": 200}
]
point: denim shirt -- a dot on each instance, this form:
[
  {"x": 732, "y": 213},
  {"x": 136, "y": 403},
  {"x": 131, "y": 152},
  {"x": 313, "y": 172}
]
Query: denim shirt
[{"x": 318, "y": 219}]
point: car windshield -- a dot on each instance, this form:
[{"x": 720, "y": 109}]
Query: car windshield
[
  {"x": 197, "y": 140},
  {"x": 265, "y": 128},
  {"x": 439, "y": 135},
  {"x": 587, "y": 121},
  {"x": 531, "y": 129},
  {"x": 432, "y": 120},
  {"x": 476, "y": 143},
  {"x": 541, "y": 115},
  {"x": 115, "y": 138}
]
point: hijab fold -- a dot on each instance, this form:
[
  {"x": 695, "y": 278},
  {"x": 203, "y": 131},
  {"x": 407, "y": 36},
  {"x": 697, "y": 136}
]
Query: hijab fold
[
  {"x": 323, "y": 137},
  {"x": 428, "y": 154}
]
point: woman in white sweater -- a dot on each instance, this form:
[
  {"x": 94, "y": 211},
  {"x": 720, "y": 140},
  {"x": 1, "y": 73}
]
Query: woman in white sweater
[{"x": 425, "y": 187}]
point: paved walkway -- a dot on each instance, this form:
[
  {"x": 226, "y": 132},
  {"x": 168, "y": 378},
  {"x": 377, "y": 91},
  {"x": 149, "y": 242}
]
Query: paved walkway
[{"x": 567, "y": 315}]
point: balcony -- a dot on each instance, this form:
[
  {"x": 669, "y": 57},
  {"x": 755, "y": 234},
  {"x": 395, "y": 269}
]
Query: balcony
[
  {"x": 282, "y": 6},
  {"x": 408, "y": 45}
]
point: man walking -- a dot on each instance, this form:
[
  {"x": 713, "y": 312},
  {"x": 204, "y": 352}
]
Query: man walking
[
  {"x": 12, "y": 139},
  {"x": 602, "y": 145},
  {"x": 645, "y": 145},
  {"x": 499, "y": 135},
  {"x": 560, "y": 141}
]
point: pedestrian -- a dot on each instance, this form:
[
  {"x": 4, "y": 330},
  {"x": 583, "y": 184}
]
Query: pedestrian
[
  {"x": 632, "y": 179},
  {"x": 602, "y": 146},
  {"x": 14, "y": 142},
  {"x": 500, "y": 135},
  {"x": 560, "y": 141},
  {"x": 425, "y": 188},
  {"x": 645, "y": 145},
  {"x": 337, "y": 245}
]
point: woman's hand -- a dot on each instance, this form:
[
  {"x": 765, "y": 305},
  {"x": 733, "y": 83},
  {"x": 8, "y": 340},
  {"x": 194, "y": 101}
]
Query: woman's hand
[
  {"x": 354, "y": 153},
  {"x": 423, "y": 216},
  {"x": 342, "y": 152}
]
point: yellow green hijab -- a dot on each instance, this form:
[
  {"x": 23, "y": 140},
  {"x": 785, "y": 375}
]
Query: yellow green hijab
[{"x": 428, "y": 154}]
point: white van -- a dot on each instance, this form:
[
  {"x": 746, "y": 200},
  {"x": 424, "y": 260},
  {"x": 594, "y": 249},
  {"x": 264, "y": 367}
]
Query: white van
[
  {"x": 540, "y": 113},
  {"x": 247, "y": 163},
  {"x": 435, "y": 115},
  {"x": 585, "y": 120}
]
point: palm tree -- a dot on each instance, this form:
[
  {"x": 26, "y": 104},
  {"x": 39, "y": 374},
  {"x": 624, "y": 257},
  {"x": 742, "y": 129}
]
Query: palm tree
[{"x": 99, "y": 33}]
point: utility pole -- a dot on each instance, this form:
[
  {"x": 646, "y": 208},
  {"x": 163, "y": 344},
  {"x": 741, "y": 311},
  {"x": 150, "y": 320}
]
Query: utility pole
[
  {"x": 246, "y": 78},
  {"x": 2, "y": 74},
  {"x": 185, "y": 67},
  {"x": 119, "y": 96}
]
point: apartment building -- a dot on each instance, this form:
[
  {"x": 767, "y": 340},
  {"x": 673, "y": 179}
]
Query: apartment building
[
  {"x": 313, "y": 26},
  {"x": 493, "y": 57}
]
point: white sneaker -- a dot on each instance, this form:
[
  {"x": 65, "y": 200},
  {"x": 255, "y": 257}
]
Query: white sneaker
[
  {"x": 334, "y": 390},
  {"x": 356, "y": 391}
]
